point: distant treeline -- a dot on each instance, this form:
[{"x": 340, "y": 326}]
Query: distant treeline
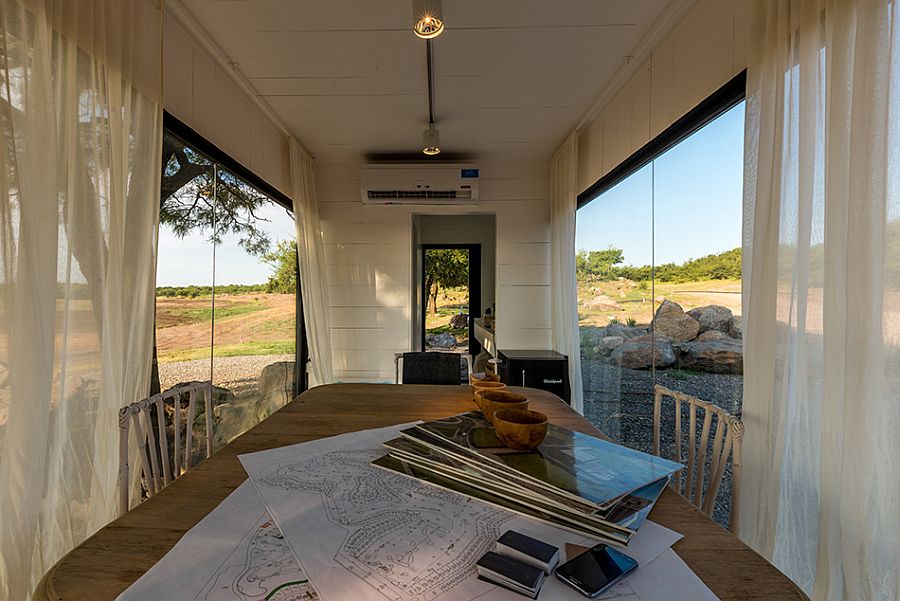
[
  {"x": 603, "y": 265},
  {"x": 197, "y": 291}
]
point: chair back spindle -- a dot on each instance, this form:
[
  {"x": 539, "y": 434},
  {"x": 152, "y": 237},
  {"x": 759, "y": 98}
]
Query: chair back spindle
[
  {"x": 727, "y": 435},
  {"x": 158, "y": 470}
]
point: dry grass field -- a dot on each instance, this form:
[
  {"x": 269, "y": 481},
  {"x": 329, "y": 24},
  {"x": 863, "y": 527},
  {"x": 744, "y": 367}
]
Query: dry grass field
[
  {"x": 245, "y": 324},
  {"x": 624, "y": 300}
]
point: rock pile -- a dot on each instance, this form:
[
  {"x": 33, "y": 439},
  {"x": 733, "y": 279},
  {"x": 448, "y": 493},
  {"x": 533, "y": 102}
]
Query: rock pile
[{"x": 705, "y": 339}]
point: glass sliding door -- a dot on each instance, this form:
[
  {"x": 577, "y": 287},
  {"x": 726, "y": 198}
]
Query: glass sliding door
[
  {"x": 659, "y": 285},
  {"x": 615, "y": 306},
  {"x": 253, "y": 323},
  {"x": 226, "y": 290},
  {"x": 184, "y": 273}
]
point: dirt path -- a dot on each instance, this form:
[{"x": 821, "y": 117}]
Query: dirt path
[{"x": 185, "y": 323}]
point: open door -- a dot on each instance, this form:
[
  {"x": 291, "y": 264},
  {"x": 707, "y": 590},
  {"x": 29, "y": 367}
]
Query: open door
[{"x": 451, "y": 297}]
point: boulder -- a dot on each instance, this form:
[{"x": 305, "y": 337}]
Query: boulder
[
  {"x": 712, "y": 317},
  {"x": 608, "y": 345},
  {"x": 736, "y": 328},
  {"x": 671, "y": 322},
  {"x": 644, "y": 354},
  {"x": 442, "y": 340},
  {"x": 601, "y": 302},
  {"x": 231, "y": 421},
  {"x": 459, "y": 321},
  {"x": 709, "y": 335},
  {"x": 591, "y": 336},
  {"x": 275, "y": 388},
  {"x": 723, "y": 356},
  {"x": 626, "y": 332}
]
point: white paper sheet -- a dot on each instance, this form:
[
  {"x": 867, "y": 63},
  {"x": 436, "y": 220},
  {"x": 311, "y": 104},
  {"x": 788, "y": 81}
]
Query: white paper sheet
[
  {"x": 367, "y": 534},
  {"x": 236, "y": 553}
]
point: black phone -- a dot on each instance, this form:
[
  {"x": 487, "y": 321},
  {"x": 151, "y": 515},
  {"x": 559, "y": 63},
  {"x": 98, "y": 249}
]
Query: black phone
[{"x": 595, "y": 570}]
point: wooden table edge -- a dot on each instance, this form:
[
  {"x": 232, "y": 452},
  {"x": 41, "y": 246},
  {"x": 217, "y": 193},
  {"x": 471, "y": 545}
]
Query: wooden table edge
[{"x": 46, "y": 591}]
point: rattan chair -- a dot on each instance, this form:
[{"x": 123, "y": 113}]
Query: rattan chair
[
  {"x": 726, "y": 442},
  {"x": 157, "y": 469},
  {"x": 430, "y": 368}
]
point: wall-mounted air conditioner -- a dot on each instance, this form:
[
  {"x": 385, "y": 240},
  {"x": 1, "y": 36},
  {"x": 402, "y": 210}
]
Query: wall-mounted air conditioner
[{"x": 419, "y": 184}]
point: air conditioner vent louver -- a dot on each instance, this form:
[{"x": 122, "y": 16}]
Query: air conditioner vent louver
[
  {"x": 419, "y": 184},
  {"x": 418, "y": 194}
]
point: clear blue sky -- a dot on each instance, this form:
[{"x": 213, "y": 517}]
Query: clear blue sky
[
  {"x": 697, "y": 205},
  {"x": 186, "y": 261}
]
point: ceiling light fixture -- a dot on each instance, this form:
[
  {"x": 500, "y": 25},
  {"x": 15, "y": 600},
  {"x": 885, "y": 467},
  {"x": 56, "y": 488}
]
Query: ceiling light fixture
[
  {"x": 428, "y": 18},
  {"x": 431, "y": 141},
  {"x": 431, "y": 137}
]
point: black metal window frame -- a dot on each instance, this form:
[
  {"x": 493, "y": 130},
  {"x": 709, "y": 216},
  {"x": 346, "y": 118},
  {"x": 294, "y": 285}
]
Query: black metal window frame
[
  {"x": 189, "y": 137},
  {"x": 719, "y": 102}
]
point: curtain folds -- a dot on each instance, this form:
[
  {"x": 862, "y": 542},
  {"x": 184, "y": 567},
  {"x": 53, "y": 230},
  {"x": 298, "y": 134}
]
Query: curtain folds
[
  {"x": 564, "y": 291},
  {"x": 311, "y": 255},
  {"x": 80, "y": 124},
  {"x": 821, "y": 495}
]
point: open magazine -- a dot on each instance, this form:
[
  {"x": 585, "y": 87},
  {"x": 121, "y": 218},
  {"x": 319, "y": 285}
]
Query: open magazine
[
  {"x": 572, "y": 480},
  {"x": 582, "y": 468}
]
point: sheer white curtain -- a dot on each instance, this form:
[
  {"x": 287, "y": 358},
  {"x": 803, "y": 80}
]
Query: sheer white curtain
[
  {"x": 311, "y": 254},
  {"x": 81, "y": 131},
  {"x": 822, "y": 295},
  {"x": 563, "y": 289}
]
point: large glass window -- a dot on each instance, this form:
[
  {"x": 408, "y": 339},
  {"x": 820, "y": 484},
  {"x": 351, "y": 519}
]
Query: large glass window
[
  {"x": 659, "y": 285},
  {"x": 226, "y": 284}
]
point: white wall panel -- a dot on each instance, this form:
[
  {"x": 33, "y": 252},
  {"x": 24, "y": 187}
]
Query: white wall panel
[
  {"x": 200, "y": 93},
  {"x": 368, "y": 317},
  {"x": 702, "y": 52},
  {"x": 350, "y": 253},
  {"x": 369, "y": 249},
  {"x": 590, "y": 151},
  {"x": 638, "y": 89},
  {"x": 662, "y": 87}
]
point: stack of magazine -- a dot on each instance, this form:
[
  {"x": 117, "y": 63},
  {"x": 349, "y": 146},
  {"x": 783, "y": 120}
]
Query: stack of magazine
[{"x": 571, "y": 480}]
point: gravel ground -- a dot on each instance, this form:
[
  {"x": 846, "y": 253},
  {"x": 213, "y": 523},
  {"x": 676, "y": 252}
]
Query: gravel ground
[
  {"x": 238, "y": 374},
  {"x": 620, "y": 403}
]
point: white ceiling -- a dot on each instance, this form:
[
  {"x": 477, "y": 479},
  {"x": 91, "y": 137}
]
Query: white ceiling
[{"x": 348, "y": 77}]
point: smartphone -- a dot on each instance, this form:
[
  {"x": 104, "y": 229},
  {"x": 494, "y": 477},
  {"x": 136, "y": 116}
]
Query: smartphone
[{"x": 595, "y": 570}]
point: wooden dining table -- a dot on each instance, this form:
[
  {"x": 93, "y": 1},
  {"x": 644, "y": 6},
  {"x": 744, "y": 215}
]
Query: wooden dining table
[{"x": 109, "y": 561}]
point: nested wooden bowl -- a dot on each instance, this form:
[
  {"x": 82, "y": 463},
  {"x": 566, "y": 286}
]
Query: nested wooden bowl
[
  {"x": 520, "y": 429},
  {"x": 473, "y": 379},
  {"x": 479, "y": 387},
  {"x": 495, "y": 400}
]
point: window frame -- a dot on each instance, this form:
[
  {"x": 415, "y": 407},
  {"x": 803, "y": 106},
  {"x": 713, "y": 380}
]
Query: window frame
[
  {"x": 719, "y": 102},
  {"x": 189, "y": 137}
]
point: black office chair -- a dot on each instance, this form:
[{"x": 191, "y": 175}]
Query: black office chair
[{"x": 431, "y": 368}]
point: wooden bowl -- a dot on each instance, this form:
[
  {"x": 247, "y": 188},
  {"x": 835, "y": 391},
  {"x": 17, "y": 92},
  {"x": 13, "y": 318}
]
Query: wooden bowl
[
  {"x": 486, "y": 378},
  {"x": 495, "y": 400},
  {"x": 479, "y": 387},
  {"x": 520, "y": 429}
]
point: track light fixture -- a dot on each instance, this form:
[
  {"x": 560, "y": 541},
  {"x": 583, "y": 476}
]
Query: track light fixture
[
  {"x": 431, "y": 140},
  {"x": 428, "y": 18}
]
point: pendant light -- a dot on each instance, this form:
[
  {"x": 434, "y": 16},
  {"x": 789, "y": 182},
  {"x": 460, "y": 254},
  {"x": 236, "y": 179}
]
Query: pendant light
[
  {"x": 428, "y": 18},
  {"x": 431, "y": 137},
  {"x": 431, "y": 140}
]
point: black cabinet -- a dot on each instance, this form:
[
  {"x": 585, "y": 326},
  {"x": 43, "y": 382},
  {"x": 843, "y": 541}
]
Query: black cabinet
[{"x": 546, "y": 370}]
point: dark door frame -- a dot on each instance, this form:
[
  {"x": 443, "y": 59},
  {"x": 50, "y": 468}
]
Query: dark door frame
[{"x": 474, "y": 289}]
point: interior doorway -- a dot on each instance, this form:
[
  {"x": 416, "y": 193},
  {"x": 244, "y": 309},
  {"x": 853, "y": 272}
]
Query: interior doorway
[{"x": 451, "y": 297}]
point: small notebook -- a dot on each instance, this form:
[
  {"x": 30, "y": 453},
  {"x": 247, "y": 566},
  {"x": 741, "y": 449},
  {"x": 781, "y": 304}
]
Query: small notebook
[
  {"x": 528, "y": 550},
  {"x": 511, "y": 574}
]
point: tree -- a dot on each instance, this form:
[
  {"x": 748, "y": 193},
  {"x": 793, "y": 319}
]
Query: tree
[
  {"x": 444, "y": 268},
  {"x": 192, "y": 199},
  {"x": 598, "y": 264},
  {"x": 195, "y": 196},
  {"x": 283, "y": 261}
]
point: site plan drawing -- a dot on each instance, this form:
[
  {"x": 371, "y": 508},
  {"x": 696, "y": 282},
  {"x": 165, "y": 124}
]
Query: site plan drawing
[
  {"x": 236, "y": 553},
  {"x": 364, "y": 533}
]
